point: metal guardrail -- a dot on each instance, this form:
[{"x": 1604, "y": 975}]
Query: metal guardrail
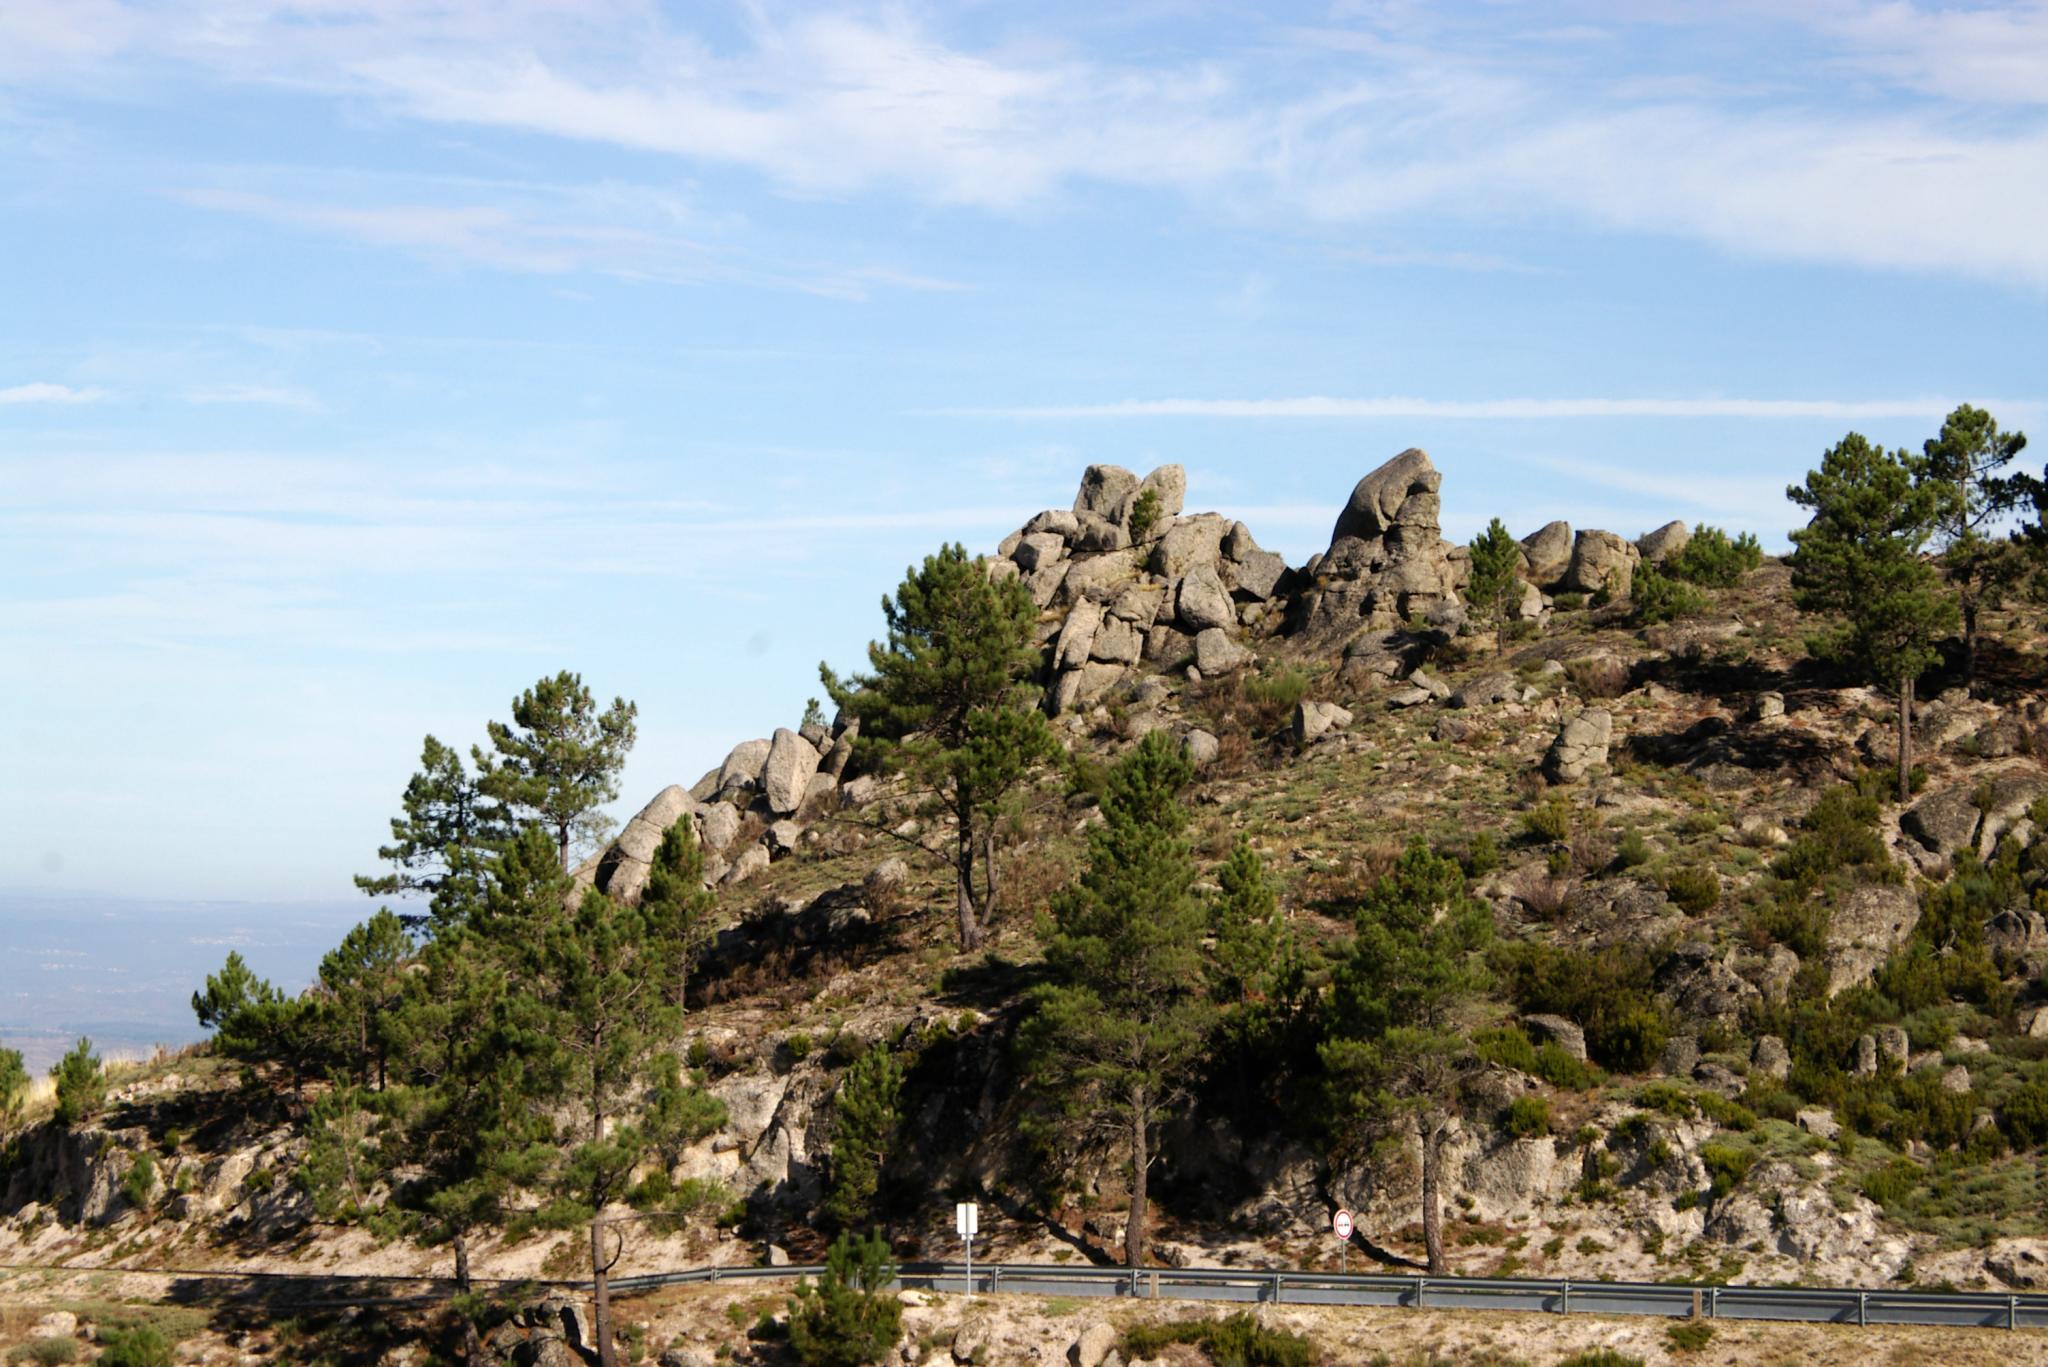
[{"x": 1821, "y": 1305}]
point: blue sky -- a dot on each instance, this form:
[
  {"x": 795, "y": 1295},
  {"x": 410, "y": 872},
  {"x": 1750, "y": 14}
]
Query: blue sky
[{"x": 361, "y": 361}]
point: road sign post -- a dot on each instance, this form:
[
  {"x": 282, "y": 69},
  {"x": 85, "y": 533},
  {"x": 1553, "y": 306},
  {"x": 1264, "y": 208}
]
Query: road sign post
[
  {"x": 966, "y": 1223},
  {"x": 1340, "y": 1225}
]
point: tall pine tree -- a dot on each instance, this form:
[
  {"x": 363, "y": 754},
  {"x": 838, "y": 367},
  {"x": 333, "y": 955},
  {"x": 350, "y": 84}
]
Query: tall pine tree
[
  {"x": 559, "y": 760},
  {"x": 1400, "y": 1006},
  {"x": 1494, "y": 587},
  {"x": 1114, "y": 1038},
  {"x": 1964, "y": 465},
  {"x": 949, "y": 703},
  {"x": 1858, "y": 560}
]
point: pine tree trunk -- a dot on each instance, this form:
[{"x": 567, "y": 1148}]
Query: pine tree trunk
[
  {"x": 472, "y": 1346},
  {"x": 988, "y": 875},
  {"x": 1432, "y": 1221},
  {"x": 1141, "y": 1159},
  {"x": 600, "y": 1279},
  {"x": 970, "y": 930},
  {"x": 1969, "y": 643},
  {"x": 1905, "y": 740}
]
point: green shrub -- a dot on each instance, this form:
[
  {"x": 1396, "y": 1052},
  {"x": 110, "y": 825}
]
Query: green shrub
[
  {"x": 1482, "y": 855},
  {"x": 1695, "y": 890},
  {"x": 1568, "y": 602},
  {"x": 1239, "y": 1341},
  {"x": 138, "y": 1184},
  {"x": 848, "y": 1317},
  {"x": 1893, "y": 1182},
  {"x": 1633, "y": 851},
  {"x": 2025, "y": 1113},
  {"x": 81, "y": 1084},
  {"x": 1839, "y": 833},
  {"x": 1550, "y": 819},
  {"x": 1273, "y": 695},
  {"x": 1710, "y": 558},
  {"x": 1600, "y": 1357},
  {"x": 143, "y": 1345},
  {"x": 1689, "y": 1336},
  {"x": 1727, "y": 1163},
  {"x": 1796, "y": 921},
  {"x": 1610, "y": 994},
  {"x": 46, "y": 1352},
  {"x": 797, "y": 1046},
  {"x": 1144, "y": 514},
  {"x": 1528, "y": 1116},
  {"x": 1659, "y": 597}
]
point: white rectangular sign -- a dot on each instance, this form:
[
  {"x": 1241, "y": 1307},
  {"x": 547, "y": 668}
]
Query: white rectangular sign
[{"x": 966, "y": 1219}]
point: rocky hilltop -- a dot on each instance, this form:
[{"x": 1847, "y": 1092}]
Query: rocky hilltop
[{"x": 1760, "y": 1021}]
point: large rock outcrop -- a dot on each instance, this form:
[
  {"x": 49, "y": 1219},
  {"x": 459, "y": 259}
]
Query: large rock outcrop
[{"x": 1387, "y": 559}]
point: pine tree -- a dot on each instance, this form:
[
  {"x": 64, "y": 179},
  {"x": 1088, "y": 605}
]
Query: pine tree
[
  {"x": 1859, "y": 561},
  {"x": 677, "y": 908},
  {"x": 1115, "y": 1036},
  {"x": 443, "y": 838},
  {"x": 595, "y": 1007},
  {"x": 1494, "y": 587},
  {"x": 559, "y": 760},
  {"x": 948, "y": 703},
  {"x": 13, "y": 1086},
  {"x": 363, "y": 978},
  {"x": 868, "y": 1113},
  {"x": 1244, "y": 916},
  {"x": 254, "y": 1021},
  {"x": 1399, "y": 1006},
  {"x": 849, "y": 1317},
  {"x": 81, "y": 1084},
  {"x": 1963, "y": 465}
]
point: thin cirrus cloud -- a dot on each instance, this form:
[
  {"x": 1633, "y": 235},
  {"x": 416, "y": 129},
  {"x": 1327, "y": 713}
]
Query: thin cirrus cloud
[
  {"x": 1318, "y": 406},
  {"x": 42, "y": 391},
  {"x": 1867, "y": 124},
  {"x": 627, "y": 233},
  {"x": 259, "y": 395}
]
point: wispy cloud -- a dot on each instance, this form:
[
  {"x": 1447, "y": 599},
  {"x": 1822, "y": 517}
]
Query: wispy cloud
[
  {"x": 272, "y": 396},
  {"x": 1392, "y": 112},
  {"x": 44, "y": 392},
  {"x": 1317, "y": 406},
  {"x": 627, "y": 232}
]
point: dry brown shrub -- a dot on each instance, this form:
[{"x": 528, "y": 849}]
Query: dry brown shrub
[
  {"x": 1544, "y": 896},
  {"x": 1599, "y": 676}
]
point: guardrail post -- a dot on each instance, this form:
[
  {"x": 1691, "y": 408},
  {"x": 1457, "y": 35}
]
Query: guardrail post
[
  {"x": 995, "y": 1277},
  {"x": 1714, "y": 1303},
  {"x": 1277, "y": 1278},
  {"x": 1153, "y": 1290},
  {"x": 1564, "y": 1298},
  {"x": 1419, "y": 1283},
  {"x": 1862, "y": 1309},
  {"x": 1695, "y": 1302},
  {"x": 2012, "y": 1312}
]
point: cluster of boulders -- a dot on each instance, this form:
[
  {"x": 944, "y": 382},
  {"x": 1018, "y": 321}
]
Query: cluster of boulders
[
  {"x": 1128, "y": 585},
  {"x": 752, "y": 809},
  {"x": 1125, "y": 579}
]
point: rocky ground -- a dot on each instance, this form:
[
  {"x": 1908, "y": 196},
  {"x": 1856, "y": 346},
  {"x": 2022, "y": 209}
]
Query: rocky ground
[{"x": 1631, "y": 785}]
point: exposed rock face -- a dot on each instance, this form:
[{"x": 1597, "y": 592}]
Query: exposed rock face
[
  {"x": 786, "y": 776},
  {"x": 1203, "y": 602},
  {"x": 1216, "y": 654},
  {"x": 741, "y": 771},
  {"x": 1487, "y": 688},
  {"x": 622, "y": 869},
  {"x": 1548, "y": 553},
  {"x": 1106, "y": 491},
  {"x": 1869, "y": 922},
  {"x": 1387, "y": 559},
  {"x": 1581, "y": 743},
  {"x": 1668, "y": 540},
  {"x": 1601, "y": 560},
  {"x": 1559, "y": 1031},
  {"x": 1312, "y": 720}
]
